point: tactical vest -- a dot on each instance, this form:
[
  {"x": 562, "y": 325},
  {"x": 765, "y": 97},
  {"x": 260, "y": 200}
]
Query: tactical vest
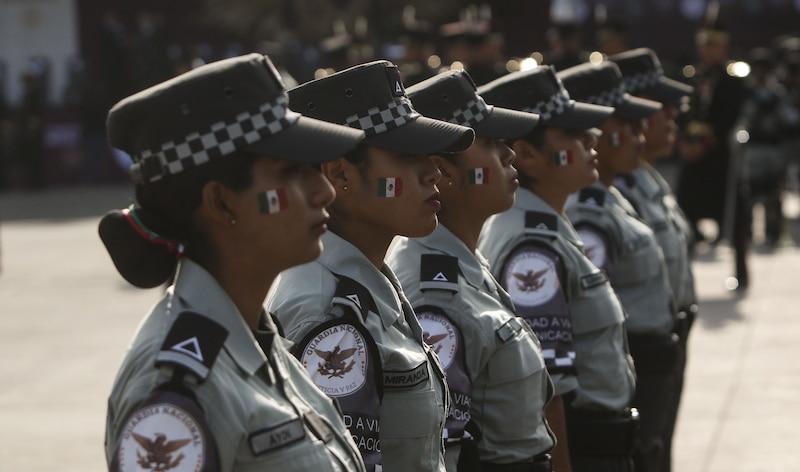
[{"x": 637, "y": 273}]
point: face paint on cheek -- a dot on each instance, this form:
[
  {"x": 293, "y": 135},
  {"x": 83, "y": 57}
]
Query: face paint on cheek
[
  {"x": 272, "y": 201},
  {"x": 390, "y": 187},
  {"x": 478, "y": 176},
  {"x": 614, "y": 139},
  {"x": 563, "y": 157}
]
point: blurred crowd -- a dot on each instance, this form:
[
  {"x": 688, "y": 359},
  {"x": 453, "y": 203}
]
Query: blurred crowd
[{"x": 43, "y": 144}]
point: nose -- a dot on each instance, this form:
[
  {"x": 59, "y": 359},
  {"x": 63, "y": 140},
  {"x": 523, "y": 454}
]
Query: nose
[
  {"x": 321, "y": 192},
  {"x": 430, "y": 171},
  {"x": 590, "y": 140}
]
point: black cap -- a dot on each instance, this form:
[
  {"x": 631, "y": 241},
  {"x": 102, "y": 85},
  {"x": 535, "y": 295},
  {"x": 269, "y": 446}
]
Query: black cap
[
  {"x": 371, "y": 97},
  {"x": 451, "y": 96},
  {"x": 601, "y": 84},
  {"x": 236, "y": 104},
  {"x": 540, "y": 91},
  {"x": 643, "y": 74}
]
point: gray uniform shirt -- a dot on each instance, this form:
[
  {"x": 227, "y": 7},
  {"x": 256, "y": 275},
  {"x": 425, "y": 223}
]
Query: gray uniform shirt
[
  {"x": 604, "y": 368},
  {"x": 503, "y": 358},
  {"x": 257, "y": 402},
  {"x": 620, "y": 243},
  {"x": 642, "y": 190},
  {"x": 411, "y": 418}
]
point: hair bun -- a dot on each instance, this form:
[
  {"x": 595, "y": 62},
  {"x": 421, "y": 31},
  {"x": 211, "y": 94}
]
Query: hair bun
[{"x": 141, "y": 262}]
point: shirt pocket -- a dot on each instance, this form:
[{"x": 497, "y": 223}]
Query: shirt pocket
[{"x": 517, "y": 358}]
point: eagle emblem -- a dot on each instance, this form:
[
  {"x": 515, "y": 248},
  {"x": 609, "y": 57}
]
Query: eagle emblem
[
  {"x": 432, "y": 341},
  {"x": 530, "y": 280},
  {"x": 158, "y": 452},
  {"x": 334, "y": 362}
]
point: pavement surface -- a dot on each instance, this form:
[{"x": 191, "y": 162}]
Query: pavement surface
[{"x": 66, "y": 317}]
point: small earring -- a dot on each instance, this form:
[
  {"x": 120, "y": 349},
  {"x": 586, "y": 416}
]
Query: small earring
[
  {"x": 450, "y": 183},
  {"x": 233, "y": 221},
  {"x": 345, "y": 188}
]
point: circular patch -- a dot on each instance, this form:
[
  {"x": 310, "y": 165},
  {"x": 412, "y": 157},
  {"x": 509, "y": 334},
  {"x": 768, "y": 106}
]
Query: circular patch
[
  {"x": 336, "y": 358},
  {"x": 440, "y": 335},
  {"x": 594, "y": 245},
  {"x": 531, "y": 278},
  {"x": 163, "y": 437}
]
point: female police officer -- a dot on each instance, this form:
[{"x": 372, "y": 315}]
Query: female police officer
[
  {"x": 537, "y": 254},
  {"x": 355, "y": 331},
  {"x": 620, "y": 243},
  {"x": 226, "y": 189},
  {"x": 490, "y": 354}
]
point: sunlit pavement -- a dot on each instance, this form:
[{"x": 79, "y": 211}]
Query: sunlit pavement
[{"x": 66, "y": 317}]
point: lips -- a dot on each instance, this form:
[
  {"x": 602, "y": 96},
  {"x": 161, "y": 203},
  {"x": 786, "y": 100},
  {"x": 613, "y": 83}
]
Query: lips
[
  {"x": 321, "y": 225},
  {"x": 434, "y": 201}
]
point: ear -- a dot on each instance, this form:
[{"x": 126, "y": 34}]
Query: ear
[
  {"x": 528, "y": 157},
  {"x": 217, "y": 205},
  {"x": 337, "y": 173},
  {"x": 451, "y": 176}
]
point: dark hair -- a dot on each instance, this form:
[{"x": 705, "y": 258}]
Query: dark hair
[{"x": 146, "y": 240}]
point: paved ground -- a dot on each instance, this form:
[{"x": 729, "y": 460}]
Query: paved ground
[{"x": 66, "y": 317}]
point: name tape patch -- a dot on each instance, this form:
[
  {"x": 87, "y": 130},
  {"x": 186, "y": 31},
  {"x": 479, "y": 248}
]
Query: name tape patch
[
  {"x": 405, "y": 379},
  {"x": 276, "y": 437}
]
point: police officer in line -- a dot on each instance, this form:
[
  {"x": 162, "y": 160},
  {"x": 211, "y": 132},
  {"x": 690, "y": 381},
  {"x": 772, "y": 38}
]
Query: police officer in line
[
  {"x": 537, "y": 255},
  {"x": 354, "y": 329},
  {"x": 227, "y": 191},
  {"x": 495, "y": 370},
  {"x": 621, "y": 244},
  {"x": 651, "y": 195}
]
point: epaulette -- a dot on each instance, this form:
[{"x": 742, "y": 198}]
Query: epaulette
[
  {"x": 625, "y": 183},
  {"x": 592, "y": 197},
  {"x": 356, "y": 296},
  {"x": 539, "y": 220},
  {"x": 438, "y": 272},
  {"x": 193, "y": 343}
]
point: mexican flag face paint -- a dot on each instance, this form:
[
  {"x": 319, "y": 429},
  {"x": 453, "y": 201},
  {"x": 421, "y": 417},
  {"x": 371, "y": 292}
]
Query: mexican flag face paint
[
  {"x": 390, "y": 187},
  {"x": 614, "y": 139},
  {"x": 563, "y": 157},
  {"x": 478, "y": 176},
  {"x": 272, "y": 201}
]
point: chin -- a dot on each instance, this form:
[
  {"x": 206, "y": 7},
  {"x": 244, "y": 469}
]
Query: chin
[{"x": 422, "y": 230}]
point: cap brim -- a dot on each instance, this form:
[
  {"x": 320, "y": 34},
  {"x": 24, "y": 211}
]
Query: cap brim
[
  {"x": 309, "y": 141},
  {"x": 506, "y": 124},
  {"x": 424, "y": 136},
  {"x": 581, "y": 116},
  {"x": 669, "y": 90},
  {"x": 635, "y": 108}
]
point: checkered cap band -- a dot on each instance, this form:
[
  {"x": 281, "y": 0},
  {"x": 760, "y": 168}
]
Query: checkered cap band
[
  {"x": 378, "y": 120},
  {"x": 608, "y": 98},
  {"x": 552, "y": 107},
  {"x": 637, "y": 82},
  {"x": 475, "y": 111},
  {"x": 221, "y": 139}
]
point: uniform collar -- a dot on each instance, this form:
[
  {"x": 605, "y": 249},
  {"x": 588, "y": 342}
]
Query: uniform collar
[
  {"x": 202, "y": 293},
  {"x": 468, "y": 264},
  {"x": 341, "y": 257}
]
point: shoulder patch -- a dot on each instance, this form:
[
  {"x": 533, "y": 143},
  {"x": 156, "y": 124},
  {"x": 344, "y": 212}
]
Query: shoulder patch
[
  {"x": 440, "y": 334},
  {"x": 337, "y": 357},
  {"x": 530, "y": 275},
  {"x": 592, "y": 196},
  {"x": 540, "y": 220},
  {"x": 438, "y": 271},
  {"x": 594, "y": 244},
  {"x": 625, "y": 183},
  {"x": 167, "y": 431},
  {"x": 193, "y": 343},
  {"x": 354, "y": 295}
]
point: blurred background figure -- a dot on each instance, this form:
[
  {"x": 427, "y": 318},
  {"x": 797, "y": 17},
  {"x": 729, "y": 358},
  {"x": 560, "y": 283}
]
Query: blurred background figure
[
  {"x": 611, "y": 36},
  {"x": 566, "y": 46},
  {"x": 416, "y": 39},
  {"x": 765, "y": 115},
  {"x": 708, "y": 187},
  {"x": 30, "y": 116}
]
